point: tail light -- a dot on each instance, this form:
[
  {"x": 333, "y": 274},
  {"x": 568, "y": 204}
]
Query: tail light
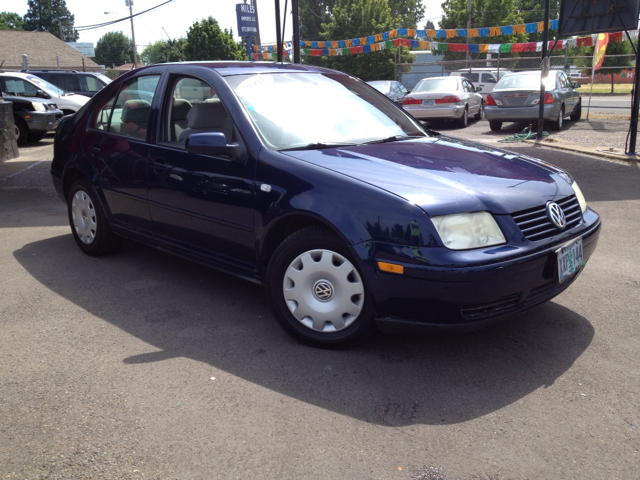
[
  {"x": 411, "y": 101},
  {"x": 548, "y": 98},
  {"x": 490, "y": 101},
  {"x": 448, "y": 99}
]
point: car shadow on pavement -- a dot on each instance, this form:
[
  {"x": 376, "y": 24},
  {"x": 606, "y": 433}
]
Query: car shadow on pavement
[{"x": 186, "y": 310}]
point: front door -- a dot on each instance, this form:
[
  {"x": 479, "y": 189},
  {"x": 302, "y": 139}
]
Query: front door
[{"x": 201, "y": 203}]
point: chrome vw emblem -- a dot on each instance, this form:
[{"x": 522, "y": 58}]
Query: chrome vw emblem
[
  {"x": 323, "y": 290},
  {"x": 556, "y": 215}
]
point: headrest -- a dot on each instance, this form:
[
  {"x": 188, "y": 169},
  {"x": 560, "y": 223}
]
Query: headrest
[
  {"x": 207, "y": 115},
  {"x": 136, "y": 111},
  {"x": 181, "y": 108}
]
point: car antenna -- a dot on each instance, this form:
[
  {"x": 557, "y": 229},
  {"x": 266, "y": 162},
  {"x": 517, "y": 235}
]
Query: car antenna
[{"x": 171, "y": 43}]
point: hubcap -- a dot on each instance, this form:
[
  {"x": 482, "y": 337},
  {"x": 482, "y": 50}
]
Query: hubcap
[
  {"x": 323, "y": 291},
  {"x": 83, "y": 215}
]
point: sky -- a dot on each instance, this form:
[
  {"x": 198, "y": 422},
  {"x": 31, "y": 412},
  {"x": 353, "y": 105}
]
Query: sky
[{"x": 176, "y": 17}]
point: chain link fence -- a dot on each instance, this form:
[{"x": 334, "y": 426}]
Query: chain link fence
[{"x": 606, "y": 96}]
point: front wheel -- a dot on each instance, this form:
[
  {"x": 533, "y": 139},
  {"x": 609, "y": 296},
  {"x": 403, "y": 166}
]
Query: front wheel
[
  {"x": 317, "y": 292},
  {"x": 89, "y": 226}
]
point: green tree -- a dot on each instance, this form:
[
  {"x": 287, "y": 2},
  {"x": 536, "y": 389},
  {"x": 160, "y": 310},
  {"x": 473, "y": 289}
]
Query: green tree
[
  {"x": 113, "y": 48},
  {"x": 411, "y": 12},
  {"x": 314, "y": 13},
  {"x": 48, "y": 16},
  {"x": 361, "y": 18},
  {"x": 163, "y": 51},
  {"x": 611, "y": 64},
  {"x": 486, "y": 13},
  {"x": 207, "y": 41},
  {"x": 533, "y": 11},
  {"x": 429, "y": 25},
  {"x": 10, "y": 21}
]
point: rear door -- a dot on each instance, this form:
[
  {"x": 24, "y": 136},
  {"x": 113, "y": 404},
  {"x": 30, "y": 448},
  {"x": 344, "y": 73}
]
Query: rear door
[{"x": 116, "y": 143}]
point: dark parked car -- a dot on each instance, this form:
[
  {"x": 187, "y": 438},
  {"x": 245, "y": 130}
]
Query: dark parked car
[
  {"x": 350, "y": 212},
  {"x": 80, "y": 83},
  {"x": 33, "y": 117},
  {"x": 394, "y": 90}
]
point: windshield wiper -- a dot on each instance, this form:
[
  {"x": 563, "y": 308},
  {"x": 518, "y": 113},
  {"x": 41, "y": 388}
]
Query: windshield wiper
[
  {"x": 319, "y": 145},
  {"x": 394, "y": 138}
]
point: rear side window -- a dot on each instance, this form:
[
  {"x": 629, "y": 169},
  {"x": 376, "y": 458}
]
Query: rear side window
[
  {"x": 128, "y": 112},
  {"x": 488, "y": 78},
  {"x": 89, "y": 83}
]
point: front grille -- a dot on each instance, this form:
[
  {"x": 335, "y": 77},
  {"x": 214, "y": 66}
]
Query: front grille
[
  {"x": 491, "y": 309},
  {"x": 536, "y": 225}
]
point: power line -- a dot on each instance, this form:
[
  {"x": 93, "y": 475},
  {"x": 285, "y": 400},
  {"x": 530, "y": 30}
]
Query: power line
[{"x": 84, "y": 28}]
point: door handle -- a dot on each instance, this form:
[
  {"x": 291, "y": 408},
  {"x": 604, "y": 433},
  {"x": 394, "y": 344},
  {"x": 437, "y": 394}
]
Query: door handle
[
  {"x": 159, "y": 165},
  {"x": 95, "y": 150}
]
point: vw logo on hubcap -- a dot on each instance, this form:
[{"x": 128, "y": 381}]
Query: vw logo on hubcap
[
  {"x": 556, "y": 215},
  {"x": 85, "y": 217},
  {"x": 323, "y": 290}
]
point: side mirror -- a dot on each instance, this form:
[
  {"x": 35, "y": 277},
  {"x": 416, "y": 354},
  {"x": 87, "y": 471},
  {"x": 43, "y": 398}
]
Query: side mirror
[
  {"x": 43, "y": 94},
  {"x": 576, "y": 85},
  {"x": 215, "y": 144},
  {"x": 478, "y": 89}
]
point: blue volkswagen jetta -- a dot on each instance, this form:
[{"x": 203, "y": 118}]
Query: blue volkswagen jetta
[{"x": 306, "y": 180}]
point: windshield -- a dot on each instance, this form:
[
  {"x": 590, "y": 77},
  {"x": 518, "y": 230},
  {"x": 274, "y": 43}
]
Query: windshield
[
  {"x": 526, "y": 82},
  {"x": 44, "y": 85},
  {"x": 292, "y": 110},
  {"x": 104, "y": 78},
  {"x": 436, "y": 85},
  {"x": 502, "y": 73}
]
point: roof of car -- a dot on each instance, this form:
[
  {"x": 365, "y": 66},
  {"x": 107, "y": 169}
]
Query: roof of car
[{"x": 227, "y": 68}]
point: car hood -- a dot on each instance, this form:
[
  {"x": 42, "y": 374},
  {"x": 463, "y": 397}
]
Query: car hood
[{"x": 446, "y": 175}]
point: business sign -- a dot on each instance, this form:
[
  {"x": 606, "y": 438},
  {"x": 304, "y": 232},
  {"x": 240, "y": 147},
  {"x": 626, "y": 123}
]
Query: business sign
[
  {"x": 85, "y": 48},
  {"x": 247, "y": 20},
  {"x": 579, "y": 17}
]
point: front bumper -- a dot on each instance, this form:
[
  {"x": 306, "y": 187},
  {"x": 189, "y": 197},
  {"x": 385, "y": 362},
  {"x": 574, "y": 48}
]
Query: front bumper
[
  {"x": 39, "y": 122},
  {"x": 520, "y": 114},
  {"x": 422, "y": 112},
  {"x": 441, "y": 298}
]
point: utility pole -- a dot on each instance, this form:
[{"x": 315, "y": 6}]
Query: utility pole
[
  {"x": 60, "y": 27},
  {"x": 255, "y": 6},
  {"x": 133, "y": 35},
  {"x": 468, "y": 28},
  {"x": 296, "y": 31},
  {"x": 545, "y": 43}
]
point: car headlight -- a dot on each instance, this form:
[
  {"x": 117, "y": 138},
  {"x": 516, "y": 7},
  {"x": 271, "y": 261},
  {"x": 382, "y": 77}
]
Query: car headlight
[
  {"x": 579, "y": 196},
  {"x": 39, "y": 107},
  {"x": 463, "y": 231}
]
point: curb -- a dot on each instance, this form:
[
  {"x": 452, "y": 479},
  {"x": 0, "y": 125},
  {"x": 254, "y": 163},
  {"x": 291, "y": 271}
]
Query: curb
[{"x": 587, "y": 150}]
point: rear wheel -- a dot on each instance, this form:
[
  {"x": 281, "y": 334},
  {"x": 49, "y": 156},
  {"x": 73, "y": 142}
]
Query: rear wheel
[
  {"x": 317, "y": 292},
  {"x": 577, "y": 113},
  {"x": 495, "y": 126},
  {"x": 89, "y": 226},
  {"x": 464, "y": 120}
]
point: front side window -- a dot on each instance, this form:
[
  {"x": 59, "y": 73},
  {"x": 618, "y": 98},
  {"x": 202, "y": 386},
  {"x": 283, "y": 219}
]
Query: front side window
[
  {"x": 298, "y": 110},
  {"x": 18, "y": 87},
  {"x": 194, "y": 108}
]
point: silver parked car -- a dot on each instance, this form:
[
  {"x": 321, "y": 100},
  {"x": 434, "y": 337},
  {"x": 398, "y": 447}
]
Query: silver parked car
[
  {"x": 392, "y": 89},
  {"x": 516, "y": 98},
  {"x": 450, "y": 98}
]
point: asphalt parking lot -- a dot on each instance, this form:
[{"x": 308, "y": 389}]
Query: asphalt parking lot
[{"x": 143, "y": 365}]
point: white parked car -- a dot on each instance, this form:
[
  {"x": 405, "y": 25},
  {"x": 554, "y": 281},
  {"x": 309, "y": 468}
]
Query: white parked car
[
  {"x": 485, "y": 78},
  {"x": 444, "y": 98},
  {"x": 27, "y": 85}
]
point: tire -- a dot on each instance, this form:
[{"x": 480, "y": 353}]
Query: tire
[
  {"x": 557, "y": 125},
  {"x": 21, "y": 132},
  {"x": 89, "y": 226},
  {"x": 577, "y": 113},
  {"x": 464, "y": 120},
  {"x": 36, "y": 137},
  {"x": 480, "y": 113},
  {"x": 495, "y": 126},
  {"x": 316, "y": 291}
]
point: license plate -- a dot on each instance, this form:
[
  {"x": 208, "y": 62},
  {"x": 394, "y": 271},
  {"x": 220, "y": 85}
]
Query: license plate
[
  {"x": 570, "y": 259},
  {"x": 429, "y": 102}
]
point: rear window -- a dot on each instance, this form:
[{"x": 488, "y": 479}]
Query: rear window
[
  {"x": 436, "y": 85},
  {"x": 526, "y": 82}
]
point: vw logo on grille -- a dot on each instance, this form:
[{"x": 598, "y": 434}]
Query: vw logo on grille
[
  {"x": 323, "y": 290},
  {"x": 556, "y": 215}
]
